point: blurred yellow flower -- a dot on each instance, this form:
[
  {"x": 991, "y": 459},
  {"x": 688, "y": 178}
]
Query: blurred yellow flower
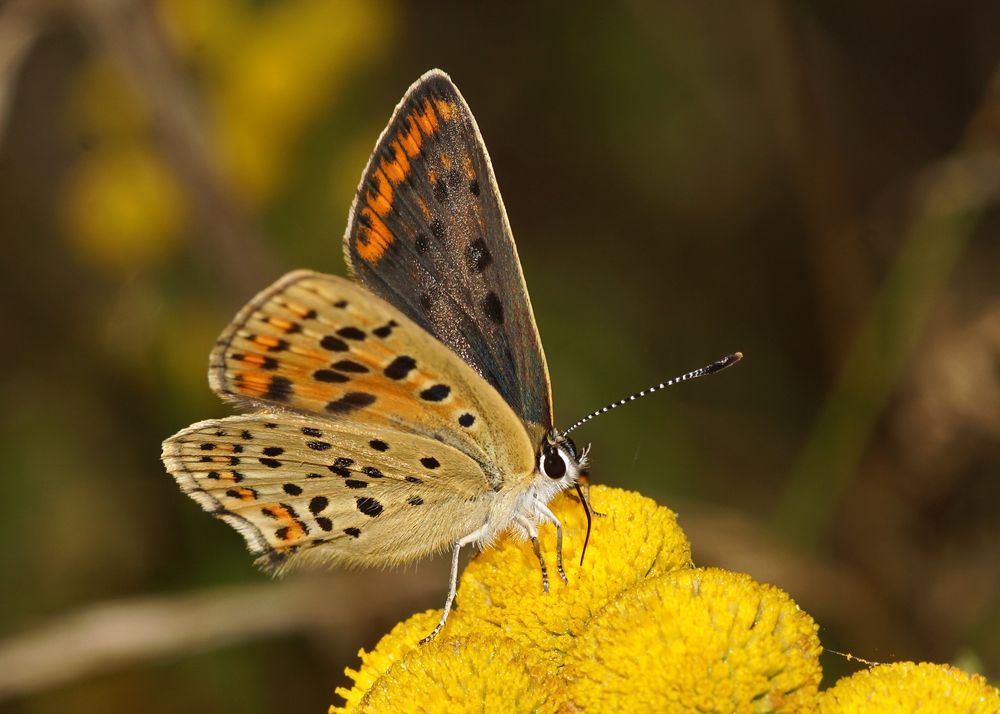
[
  {"x": 270, "y": 71},
  {"x": 910, "y": 688},
  {"x": 637, "y": 628},
  {"x": 122, "y": 207}
]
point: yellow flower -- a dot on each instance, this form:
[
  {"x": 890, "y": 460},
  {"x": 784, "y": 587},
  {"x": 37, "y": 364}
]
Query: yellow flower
[
  {"x": 634, "y": 540},
  {"x": 702, "y": 640},
  {"x": 906, "y": 687},
  {"x": 637, "y": 628},
  {"x": 473, "y": 673}
]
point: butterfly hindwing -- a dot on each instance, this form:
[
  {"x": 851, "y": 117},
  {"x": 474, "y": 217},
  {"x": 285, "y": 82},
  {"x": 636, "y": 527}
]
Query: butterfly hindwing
[
  {"x": 428, "y": 232},
  {"x": 320, "y": 344},
  {"x": 308, "y": 489}
]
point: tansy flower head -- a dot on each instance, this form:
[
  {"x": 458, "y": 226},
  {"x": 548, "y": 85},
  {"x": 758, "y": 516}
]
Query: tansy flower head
[
  {"x": 910, "y": 688},
  {"x": 697, "y": 640},
  {"x": 637, "y": 628},
  {"x": 634, "y": 540}
]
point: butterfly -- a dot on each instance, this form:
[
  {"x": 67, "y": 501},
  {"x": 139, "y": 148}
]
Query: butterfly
[{"x": 408, "y": 411}]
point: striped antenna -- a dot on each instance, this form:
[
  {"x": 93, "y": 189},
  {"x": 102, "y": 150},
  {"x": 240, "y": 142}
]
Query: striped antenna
[{"x": 716, "y": 366}]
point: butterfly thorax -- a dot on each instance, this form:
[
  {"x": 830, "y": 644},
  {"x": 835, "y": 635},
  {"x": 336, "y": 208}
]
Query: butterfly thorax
[{"x": 558, "y": 467}]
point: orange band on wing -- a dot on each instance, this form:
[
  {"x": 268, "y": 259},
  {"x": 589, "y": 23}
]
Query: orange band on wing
[
  {"x": 373, "y": 237},
  {"x": 372, "y": 241},
  {"x": 397, "y": 169},
  {"x": 291, "y": 528},
  {"x": 410, "y": 138},
  {"x": 381, "y": 202},
  {"x": 427, "y": 119}
]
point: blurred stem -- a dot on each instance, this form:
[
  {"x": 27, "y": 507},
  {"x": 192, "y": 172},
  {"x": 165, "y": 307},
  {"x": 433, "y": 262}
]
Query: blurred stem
[
  {"x": 950, "y": 208},
  {"x": 20, "y": 26},
  {"x": 112, "y": 635},
  {"x": 129, "y": 31}
]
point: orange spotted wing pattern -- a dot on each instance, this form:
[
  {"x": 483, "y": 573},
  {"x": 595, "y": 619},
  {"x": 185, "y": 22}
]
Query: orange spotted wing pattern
[
  {"x": 368, "y": 431},
  {"x": 320, "y": 344},
  {"x": 428, "y": 232}
]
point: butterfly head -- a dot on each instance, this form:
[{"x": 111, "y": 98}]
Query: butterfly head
[{"x": 559, "y": 460}]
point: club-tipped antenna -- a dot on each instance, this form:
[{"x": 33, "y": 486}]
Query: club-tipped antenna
[{"x": 717, "y": 366}]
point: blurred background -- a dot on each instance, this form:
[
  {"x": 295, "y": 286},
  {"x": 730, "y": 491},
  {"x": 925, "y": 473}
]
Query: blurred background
[{"x": 813, "y": 183}]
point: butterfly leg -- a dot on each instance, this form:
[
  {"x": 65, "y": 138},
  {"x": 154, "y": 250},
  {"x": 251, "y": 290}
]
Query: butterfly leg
[
  {"x": 532, "y": 530},
  {"x": 453, "y": 582},
  {"x": 551, "y": 517},
  {"x": 541, "y": 562}
]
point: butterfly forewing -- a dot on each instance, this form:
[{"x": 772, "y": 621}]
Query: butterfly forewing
[
  {"x": 299, "y": 488},
  {"x": 319, "y": 344},
  {"x": 428, "y": 232}
]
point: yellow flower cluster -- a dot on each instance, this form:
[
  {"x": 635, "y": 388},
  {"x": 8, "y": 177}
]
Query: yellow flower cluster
[
  {"x": 906, "y": 687},
  {"x": 638, "y": 628}
]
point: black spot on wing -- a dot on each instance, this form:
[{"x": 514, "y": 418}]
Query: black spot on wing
[
  {"x": 334, "y": 344},
  {"x": 385, "y": 330},
  {"x": 279, "y": 389},
  {"x": 400, "y": 367},
  {"x": 493, "y": 308},
  {"x": 350, "y": 402},
  {"x": 349, "y": 365},
  {"x": 330, "y": 377},
  {"x": 369, "y": 506},
  {"x": 351, "y": 333},
  {"x": 342, "y": 466},
  {"x": 478, "y": 256},
  {"x": 437, "y": 393}
]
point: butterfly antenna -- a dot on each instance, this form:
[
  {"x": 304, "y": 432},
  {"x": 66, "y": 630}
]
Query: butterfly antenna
[
  {"x": 586, "y": 509},
  {"x": 708, "y": 369}
]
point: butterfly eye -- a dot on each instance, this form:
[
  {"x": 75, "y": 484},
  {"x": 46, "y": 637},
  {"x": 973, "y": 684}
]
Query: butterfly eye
[{"x": 553, "y": 464}]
